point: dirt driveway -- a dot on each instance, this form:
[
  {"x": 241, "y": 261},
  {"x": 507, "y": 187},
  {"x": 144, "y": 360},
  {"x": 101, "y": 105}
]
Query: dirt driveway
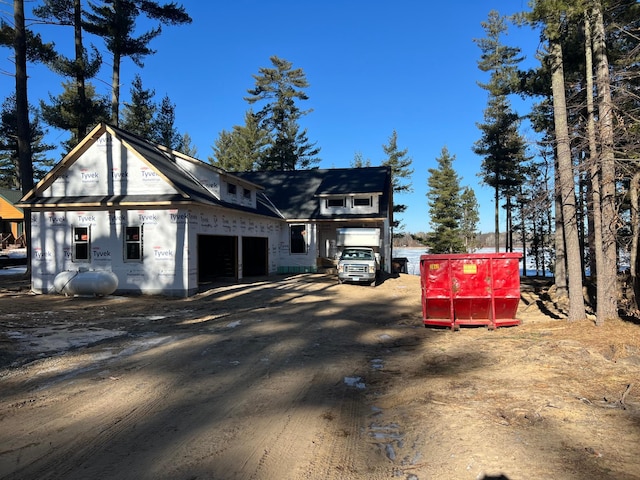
[{"x": 301, "y": 378}]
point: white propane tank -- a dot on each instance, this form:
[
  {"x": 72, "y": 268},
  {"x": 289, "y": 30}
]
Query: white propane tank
[{"x": 86, "y": 282}]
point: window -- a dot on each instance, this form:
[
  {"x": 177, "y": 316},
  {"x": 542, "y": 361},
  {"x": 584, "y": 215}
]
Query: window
[
  {"x": 231, "y": 188},
  {"x": 298, "y": 239},
  {"x": 362, "y": 202},
  {"x": 133, "y": 243},
  {"x": 80, "y": 243},
  {"x": 335, "y": 202},
  {"x": 246, "y": 193}
]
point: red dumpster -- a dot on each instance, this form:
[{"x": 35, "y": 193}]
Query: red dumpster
[{"x": 470, "y": 289}]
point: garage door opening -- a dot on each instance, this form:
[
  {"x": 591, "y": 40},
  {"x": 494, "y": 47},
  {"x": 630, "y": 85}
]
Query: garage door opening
[
  {"x": 217, "y": 257},
  {"x": 255, "y": 256}
]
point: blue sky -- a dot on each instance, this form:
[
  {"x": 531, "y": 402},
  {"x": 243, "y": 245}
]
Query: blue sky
[{"x": 373, "y": 67}]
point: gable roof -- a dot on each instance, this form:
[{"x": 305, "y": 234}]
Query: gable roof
[
  {"x": 161, "y": 159},
  {"x": 296, "y": 193}
]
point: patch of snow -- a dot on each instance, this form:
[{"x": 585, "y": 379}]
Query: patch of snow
[
  {"x": 355, "y": 382},
  {"x": 233, "y": 324},
  {"x": 13, "y": 270},
  {"x": 377, "y": 364}
]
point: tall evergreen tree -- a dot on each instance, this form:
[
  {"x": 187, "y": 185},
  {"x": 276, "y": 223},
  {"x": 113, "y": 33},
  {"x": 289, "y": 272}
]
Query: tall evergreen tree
[
  {"x": 187, "y": 146},
  {"x": 500, "y": 145},
  {"x": 445, "y": 208},
  {"x": 224, "y": 154},
  {"x": 26, "y": 47},
  {"x": 9, "y": 161},
  {"x": 606, "y": 304},
  {"x": 165, "y": 132},
  {"x": 85, "y": 111},
  {"x": 63, "y": 111},
  {"x": 115, "y": 22},
  {"x": 469, "y": 220},
  {"x": 401, "y": 171},
  {"x": 242, "y": 148},
  {"x": 553, "y": 16},
  {"x": 503, "y": 149},
  {"x": 139, "y": 114},
  {"x": 279, "y": 88}
]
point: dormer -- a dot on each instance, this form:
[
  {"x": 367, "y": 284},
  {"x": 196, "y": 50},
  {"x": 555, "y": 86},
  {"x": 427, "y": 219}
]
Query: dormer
[
  {"x": 350, "y": 204},
  {"x": 238, "y": 191},
  {"x": 223, "y": 185}
]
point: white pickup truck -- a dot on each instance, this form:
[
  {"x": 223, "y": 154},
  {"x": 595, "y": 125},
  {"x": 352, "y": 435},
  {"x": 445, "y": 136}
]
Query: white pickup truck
[{"x": 358, "y": 264}]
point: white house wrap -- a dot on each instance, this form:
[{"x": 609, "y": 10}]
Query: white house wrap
[{"x": 164, "y": 223}]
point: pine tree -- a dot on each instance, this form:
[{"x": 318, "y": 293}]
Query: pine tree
[
  {"x": 27, "y": 47},
  {"x": 278, "y": 89},
  {"x": 138, "y": 115},
  {"x": 187, "y": 146},
  {"x": 445, "y": 208},
  {"x": 9, "y": 161},
  {"x": 86, "y": 112},
  {"x": 63, "y": 110},
  {"x": 553, "y": 17},
  {"x": 470, "y": 219},
  {"x": 503, "y": 151},
  {"x": 115, "y": 22},
  {"x": 164, "y": 130},
  {"x": 501, "y": 146},
  {"x": 400, "y": 165},
  {"x": 242, "y": 148}
]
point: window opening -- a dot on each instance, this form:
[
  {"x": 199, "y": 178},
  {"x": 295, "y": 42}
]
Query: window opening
[
  {"x": 81, "y": 243},
  {"x": 362, "y": 202},
  {"x": 133, "y": 243}
]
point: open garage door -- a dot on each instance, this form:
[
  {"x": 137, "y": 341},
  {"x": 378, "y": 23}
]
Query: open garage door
[
  {"x": 217, "y": 257},
  {"x": 255, "y": 256}
]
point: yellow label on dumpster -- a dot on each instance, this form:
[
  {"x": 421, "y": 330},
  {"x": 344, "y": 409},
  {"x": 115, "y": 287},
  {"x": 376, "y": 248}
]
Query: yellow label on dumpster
[
  {"x": 470, "y": 268},
  {"x": 434, "y": 266}
]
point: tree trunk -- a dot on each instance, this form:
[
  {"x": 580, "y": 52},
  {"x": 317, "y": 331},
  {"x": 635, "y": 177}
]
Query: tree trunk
[
  {"x": 607, "y": 306},
  {"x": 523, "y": 234},
  {"x": 635, "y": 239},
  {"x": 80, "y": 68},
  {"x": 594, "y": 170},
  {"x": 23, "y": 131},
  {"x": 560, "y": 269},
  {"x": 510, "y": 223},
  {"x": 115, "y": 89},
  {"x": 496, "y": 234},
  {"x": 567, "y": 184}
]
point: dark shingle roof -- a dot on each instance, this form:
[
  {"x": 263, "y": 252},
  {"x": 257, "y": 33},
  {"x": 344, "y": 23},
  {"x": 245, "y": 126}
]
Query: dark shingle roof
[
  {"x": 12, "y": 196},
  {"x": 296, "y": 193}
]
